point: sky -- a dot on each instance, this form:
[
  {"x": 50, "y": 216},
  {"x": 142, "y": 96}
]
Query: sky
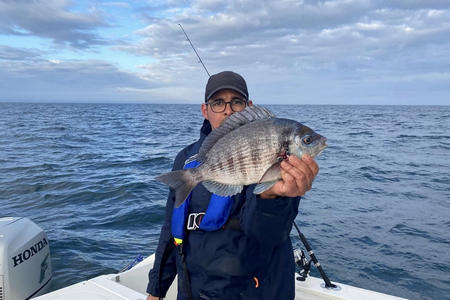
[{"x": 289, "y": 52}]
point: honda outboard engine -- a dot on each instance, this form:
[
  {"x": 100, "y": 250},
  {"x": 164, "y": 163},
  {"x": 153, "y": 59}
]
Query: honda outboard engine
[{"x": 25, "y": 267}]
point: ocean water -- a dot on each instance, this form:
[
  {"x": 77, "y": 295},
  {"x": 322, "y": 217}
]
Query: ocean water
[{"x": 378, "y": 216}]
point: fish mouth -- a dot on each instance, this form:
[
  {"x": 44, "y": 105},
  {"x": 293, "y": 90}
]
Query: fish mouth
[
  {"x": 320, "y": 151},
  {"x": 322, "y": 145}
]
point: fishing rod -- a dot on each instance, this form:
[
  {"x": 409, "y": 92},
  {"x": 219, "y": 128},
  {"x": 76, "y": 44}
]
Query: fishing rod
[
  {"x": 328, "y": 283},
  {"x": 193, "y": 48}
]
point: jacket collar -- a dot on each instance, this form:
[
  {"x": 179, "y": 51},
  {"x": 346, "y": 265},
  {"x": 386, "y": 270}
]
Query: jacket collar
[{"x": 205, "y": 130}]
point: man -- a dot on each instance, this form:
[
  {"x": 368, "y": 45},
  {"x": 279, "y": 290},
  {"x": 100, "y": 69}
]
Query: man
[{"x": 249, "y": 255}]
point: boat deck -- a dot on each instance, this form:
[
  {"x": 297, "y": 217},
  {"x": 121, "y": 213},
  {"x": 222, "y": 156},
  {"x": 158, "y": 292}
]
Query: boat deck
[{"x": 132, "y": 284}]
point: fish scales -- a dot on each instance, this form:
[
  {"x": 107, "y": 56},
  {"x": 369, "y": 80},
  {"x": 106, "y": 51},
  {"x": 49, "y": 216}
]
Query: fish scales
[
  {"x": 246, "y": 158},
  {"x": 254, "y": 147}
]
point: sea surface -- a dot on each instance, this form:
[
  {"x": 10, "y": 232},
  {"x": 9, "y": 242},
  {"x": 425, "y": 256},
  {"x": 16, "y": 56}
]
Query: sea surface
[{"x": 378, "y": 216}]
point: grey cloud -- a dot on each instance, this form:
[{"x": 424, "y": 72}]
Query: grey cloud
[
  {"x": 244, "y": 22},
  {"x": 11, "y": 53},
  {"x": 340, "y": 51},
  {"x": 51, "y": 19},
  {"x": 247, "y": 23},
  {"x": 116, "y": 4},
  {"x": 277, "y": 31},
  {"x": 416, "y": 4},
  {"x": 211, "y": 6},
  {"x": 44, "y": 80},
  {"x": 342, "y": 43}
]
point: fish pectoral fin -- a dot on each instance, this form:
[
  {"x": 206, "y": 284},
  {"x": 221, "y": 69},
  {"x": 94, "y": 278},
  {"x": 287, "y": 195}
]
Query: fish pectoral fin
[
  {"x": 272, "y": 173},
  {"x": 262, "y": 187},
  {"x": 222, "y": 189}
]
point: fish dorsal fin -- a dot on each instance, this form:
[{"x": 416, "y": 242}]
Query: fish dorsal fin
[{"x": 236, "y": 120}]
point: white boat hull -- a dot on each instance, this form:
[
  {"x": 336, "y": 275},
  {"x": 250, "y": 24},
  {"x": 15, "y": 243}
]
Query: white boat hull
[{"x": 132, "y": 284}]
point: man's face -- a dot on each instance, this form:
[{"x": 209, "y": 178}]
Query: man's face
[{"x": 217, "y": 118}]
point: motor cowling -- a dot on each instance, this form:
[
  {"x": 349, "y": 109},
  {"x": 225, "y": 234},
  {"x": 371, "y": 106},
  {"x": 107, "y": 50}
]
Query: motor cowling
[{"x": 25, "y": 265}]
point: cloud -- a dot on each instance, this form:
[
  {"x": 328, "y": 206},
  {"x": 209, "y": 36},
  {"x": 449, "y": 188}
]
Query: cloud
[
  {"x": 266, "y": 25},
  {"x": 26, "y": 76},
  {"x": 11, "y": 53},
  {"x": 344, "y": 43},
  {"x": 51, "y": 19},
  {"x": 290, "y": 51},
  {"x": 116, "y": 4},
  {"x": 415, "y": 4}
]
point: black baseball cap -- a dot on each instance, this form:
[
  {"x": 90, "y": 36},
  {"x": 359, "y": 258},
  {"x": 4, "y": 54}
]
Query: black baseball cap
[{"x": 225, "y": 80}]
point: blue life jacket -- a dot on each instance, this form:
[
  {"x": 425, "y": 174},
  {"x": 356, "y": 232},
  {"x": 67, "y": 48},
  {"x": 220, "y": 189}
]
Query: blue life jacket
[{"x": 215, "y": 217}]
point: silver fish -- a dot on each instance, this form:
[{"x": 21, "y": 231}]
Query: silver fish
[{"x": 247, "y": 148}]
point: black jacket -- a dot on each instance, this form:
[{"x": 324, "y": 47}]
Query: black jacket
[{"x": 228, "y": 263}]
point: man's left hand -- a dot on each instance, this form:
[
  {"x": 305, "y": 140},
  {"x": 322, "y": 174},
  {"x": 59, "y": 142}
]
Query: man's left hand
[{"x": 297, "y": 176}]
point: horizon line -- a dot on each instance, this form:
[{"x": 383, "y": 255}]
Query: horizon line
[{"x": 181, "y": 103}]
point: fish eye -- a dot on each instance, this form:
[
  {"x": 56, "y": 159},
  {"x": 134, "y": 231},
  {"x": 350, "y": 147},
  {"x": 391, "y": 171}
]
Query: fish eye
[{"x": 307, "y": 140}]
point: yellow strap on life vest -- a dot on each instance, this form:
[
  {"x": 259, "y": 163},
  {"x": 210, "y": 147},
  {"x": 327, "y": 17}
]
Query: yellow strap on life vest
[{"x": 178, "y": 241}]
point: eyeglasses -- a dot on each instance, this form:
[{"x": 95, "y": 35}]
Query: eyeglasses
[{"x": 219, "y": 105}]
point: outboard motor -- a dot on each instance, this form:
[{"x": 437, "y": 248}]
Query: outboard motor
[{"x": 25, "y": 266}]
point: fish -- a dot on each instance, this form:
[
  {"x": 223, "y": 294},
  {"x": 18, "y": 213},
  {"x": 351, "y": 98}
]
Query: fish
[{"x": 247, "y": 148}]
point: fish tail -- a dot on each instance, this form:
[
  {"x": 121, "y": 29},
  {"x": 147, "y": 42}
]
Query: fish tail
[{"x": 182, "y": 181}]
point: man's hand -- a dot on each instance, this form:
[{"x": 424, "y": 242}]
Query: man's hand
[
  {"x": 150, "y": 297},
  {"x": 297, "y": 176}
]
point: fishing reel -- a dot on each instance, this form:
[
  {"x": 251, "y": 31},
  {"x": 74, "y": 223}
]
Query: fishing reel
[
  {"x": 305, "y": 265},
  {"x": 302, "y": 263}
]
